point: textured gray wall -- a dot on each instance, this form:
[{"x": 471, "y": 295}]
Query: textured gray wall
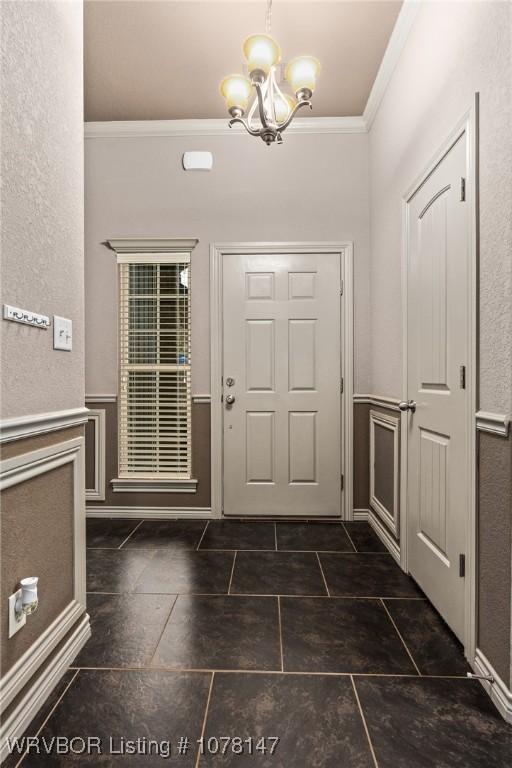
[
  {"x": 42, "y": 202},
  {"x": 312, "y": 188},
  {"x": 430, "y": 90},
  {"x": 495, "y": 552}
]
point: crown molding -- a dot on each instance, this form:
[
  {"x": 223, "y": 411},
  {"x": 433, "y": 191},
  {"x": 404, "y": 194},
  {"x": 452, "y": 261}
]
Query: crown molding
[
  {"x": 120, "y": 129},
  {"x": 396, "y": 44}
]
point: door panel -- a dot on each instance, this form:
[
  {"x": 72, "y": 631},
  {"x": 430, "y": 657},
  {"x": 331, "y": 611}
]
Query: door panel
[
  {"x": 438, "y": 338},
  {"x": 281, "y": 342}
]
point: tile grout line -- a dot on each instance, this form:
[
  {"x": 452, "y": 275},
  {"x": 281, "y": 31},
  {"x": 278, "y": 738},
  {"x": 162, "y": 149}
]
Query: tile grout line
[
  {"x": 232, "y": 572},
  {"x": 131, "y": 534},
  {"x": 322, "y": 572},
  {"x": 400, "y": 636},
  {"x": 202, "y": 535},
  {"x": 300, "y": 673},
  {"x": 198, "y": 759},
  {"x": 351, "y": 540},
  {"x": 51, "y": 711},
  {"x": 280, "y": 631},
  {"x": 364, "y": 722},
  {"x": 264, "y": 594},
  {"x": 240, "y": 549},
  {"x": 162, "y": 632}
]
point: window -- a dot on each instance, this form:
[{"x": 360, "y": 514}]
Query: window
[{"x": 154, "y": 357}]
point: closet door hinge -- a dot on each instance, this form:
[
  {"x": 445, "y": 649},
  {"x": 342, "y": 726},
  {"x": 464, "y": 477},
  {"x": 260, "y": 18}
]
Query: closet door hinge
[
  {"x": 342, "y": 386},
  {"x": 462, "y": 189},
  {"x": 462, "y": 379},
  {"x": 342, "y": 482},
  {"x": 462, "y": 566},
  {"x": 341, "y": 288}
]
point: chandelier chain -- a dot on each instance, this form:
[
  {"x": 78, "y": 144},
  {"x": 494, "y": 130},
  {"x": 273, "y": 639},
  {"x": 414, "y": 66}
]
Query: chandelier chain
[{"x": 268, "y": 19}]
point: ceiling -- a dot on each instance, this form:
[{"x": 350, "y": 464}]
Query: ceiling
[{"x": 164, "y": 59}]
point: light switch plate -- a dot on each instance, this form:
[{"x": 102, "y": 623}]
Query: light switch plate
[
  {"x": 14, "y": 623},
  {"x": 62, "y": 333}
]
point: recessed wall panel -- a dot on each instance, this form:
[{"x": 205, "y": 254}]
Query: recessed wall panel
[
  {"x": 260, "y": 355},
  {"x": 433, "y": 487},
  {"x": 302, "y": 285},
  {"x": 302, "y": 363},
  {"x": 260, "y": 449},
  {"x": 432, "y": 315},
  {"x": 302, "y": 429}
]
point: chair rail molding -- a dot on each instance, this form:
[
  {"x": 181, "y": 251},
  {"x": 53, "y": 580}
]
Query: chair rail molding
[
  {"x": 101, "y": 398},
  {"x": 378, "y": 400},
  {"x": 39, "y": 423},
  {"x": 494, "y": 423},
  {"x": 97, "y": 415},
  {"x": 17, "y": 470}
]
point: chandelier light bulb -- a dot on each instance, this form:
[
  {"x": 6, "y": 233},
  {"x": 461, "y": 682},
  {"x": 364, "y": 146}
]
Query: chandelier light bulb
[
  {"x": 261, "y": 52},
  {"x": 302, "y": 73},
  {"x": 236, "y": 90},
  {"x": 283, "y": 106}
]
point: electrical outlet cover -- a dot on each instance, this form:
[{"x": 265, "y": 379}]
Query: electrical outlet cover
[{"x": 14, "y": 623}]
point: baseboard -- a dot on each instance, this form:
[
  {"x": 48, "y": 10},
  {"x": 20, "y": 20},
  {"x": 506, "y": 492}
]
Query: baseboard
[
  {"x": 26, "y": 709},
  {"x": 387, "y": 539},
  {"x": 20, "y": 674},
  {"x": 500, "y": 694},
  {"x": 149, "y": 513}
]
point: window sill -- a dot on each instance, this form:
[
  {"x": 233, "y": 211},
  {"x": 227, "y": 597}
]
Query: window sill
[{"x": 153, "y": 485}]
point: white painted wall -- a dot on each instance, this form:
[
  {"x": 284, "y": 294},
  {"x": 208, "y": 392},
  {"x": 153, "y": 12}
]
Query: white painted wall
[
  {"x": 312, "y": 188},
  {"x": 42, "y": 201},
  {"x": 454, "y": 49}
]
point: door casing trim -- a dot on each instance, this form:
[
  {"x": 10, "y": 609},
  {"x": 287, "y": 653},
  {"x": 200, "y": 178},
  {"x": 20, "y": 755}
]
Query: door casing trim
[
  {"x": 468, "y": 125},
  {"x": 345, "y": 249}
]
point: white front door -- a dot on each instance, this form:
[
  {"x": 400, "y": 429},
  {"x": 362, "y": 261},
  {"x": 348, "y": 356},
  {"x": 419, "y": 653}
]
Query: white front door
[
  {"x": 437, "y": 359},
  {"x": 281, "y": 344}
]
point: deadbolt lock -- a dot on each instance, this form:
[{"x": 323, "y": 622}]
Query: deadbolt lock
[{"x": 230, "y": 382}]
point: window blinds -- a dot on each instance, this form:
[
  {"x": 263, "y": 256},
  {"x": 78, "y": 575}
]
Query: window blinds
[{"x": 154, "y": 338}]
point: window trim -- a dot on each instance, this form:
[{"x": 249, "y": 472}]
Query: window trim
[{"x": 154, "y": 250}]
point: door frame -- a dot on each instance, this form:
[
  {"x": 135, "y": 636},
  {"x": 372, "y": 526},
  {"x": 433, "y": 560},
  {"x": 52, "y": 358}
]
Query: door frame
[
  {"x": 345, "y": 250},
  {"x": 467, "y": 124}
]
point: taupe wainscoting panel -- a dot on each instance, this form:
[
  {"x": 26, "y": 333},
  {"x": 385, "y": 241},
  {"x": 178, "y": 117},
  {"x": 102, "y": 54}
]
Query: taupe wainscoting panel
[
  {"x": 37, "y": 540},
  {"x": 361, "y": 455},
  {"x": 494, "y": 551},
  {"x": 385, "y": 467},
  {"x": 200, "y": 464},
  {"x": 386, "y": 462},
  {"x": 90, "y": 454}
]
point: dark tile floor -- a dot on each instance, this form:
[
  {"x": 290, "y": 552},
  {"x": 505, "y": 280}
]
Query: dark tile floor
[{"x": 304, "y": 643}]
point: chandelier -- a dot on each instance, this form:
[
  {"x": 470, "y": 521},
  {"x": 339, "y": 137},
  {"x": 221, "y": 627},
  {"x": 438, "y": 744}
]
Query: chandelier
[{"x": 274, "y": 108}]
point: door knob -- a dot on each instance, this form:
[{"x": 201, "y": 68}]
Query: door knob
[
  {"x": 407, "y": 406},
  {"x": 230, "y": 399}
]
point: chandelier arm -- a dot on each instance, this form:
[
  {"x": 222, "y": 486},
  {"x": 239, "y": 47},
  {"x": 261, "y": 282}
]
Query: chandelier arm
[
  {"x": 292, "y": 114},
  {"x": 261, "y": 105},
  {"x": 250, "y": 130}
]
